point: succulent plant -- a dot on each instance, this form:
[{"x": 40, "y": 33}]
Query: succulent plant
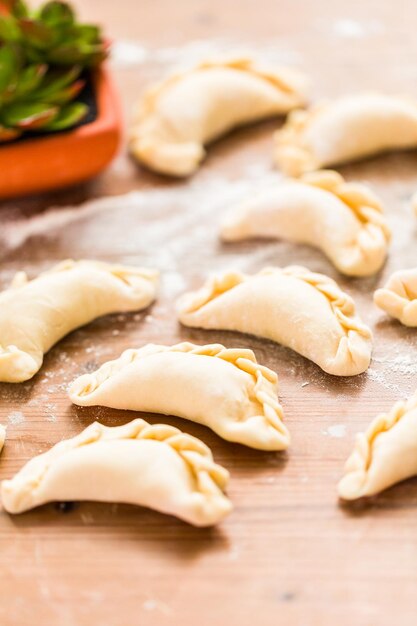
[{"x": 42, "y": 56}]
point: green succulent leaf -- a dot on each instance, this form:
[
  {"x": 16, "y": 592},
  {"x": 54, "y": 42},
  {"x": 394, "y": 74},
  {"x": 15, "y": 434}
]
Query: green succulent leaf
[
  {"x": 69, "y": 115},
  {"x": 17, "y": 8},
  {"x": 72, "y": 53},
  {"x": 55, "y": 81},
  {"x": 88, "y": 33},
  {"x": 28, "y": 115},
  {"x": 9, "y": 71},
  {"x": 67, "y": 93},
  {"x": 9, "y": 29},
  {"x": 29, "y": 80},
  {"x": 56, "y": 13},
  {"x": 37, "y": 34}
]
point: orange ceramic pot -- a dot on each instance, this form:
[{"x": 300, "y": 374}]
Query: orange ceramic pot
[{"x": 62, "y": 159}]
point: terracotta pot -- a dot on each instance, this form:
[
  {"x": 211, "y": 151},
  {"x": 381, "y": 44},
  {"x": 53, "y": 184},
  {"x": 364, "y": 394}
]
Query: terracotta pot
[{"x": 62, "y": 159}]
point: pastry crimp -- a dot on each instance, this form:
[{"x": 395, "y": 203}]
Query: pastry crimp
[
  {"x": 398, "y": 297},
  {"x": 224, "y": 389},
  {"x": 156, "y": 466},
  {"x": 302, "y": 310},
  {"x": 35, "y": 314},
  {"x": 344, "y": 220},
  {"x": 176, "y": 118},
  {"x": 385, "y": 454},
  {"x": 344, "y": 130}
]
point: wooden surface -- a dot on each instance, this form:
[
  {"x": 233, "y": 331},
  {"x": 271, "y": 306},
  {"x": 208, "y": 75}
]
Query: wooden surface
[{"x": 289, "y": 554}]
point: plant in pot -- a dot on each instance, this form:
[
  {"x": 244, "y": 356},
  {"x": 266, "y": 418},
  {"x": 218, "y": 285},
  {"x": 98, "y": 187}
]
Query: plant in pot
[{"x": 59, "y": 119}]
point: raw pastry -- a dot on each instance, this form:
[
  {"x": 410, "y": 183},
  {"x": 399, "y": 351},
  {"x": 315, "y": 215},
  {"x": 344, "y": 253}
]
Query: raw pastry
[
  {"x": 399, "y": 297},
  {"x": 226, "y": 390},
  {"x": 2, "y": 436},
  {"x": 384, "y": 455},
  {"x": 292, "y": 306},
  {"x": 35, "y": 314},
  {"x": 154, "y": 466},
  {"x": 178, "y": 117},
  {"x": 347, "y": 129},
  {"x": 344, "y": 220}
]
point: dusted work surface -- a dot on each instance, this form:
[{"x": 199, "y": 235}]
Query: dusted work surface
[{"x": 289, "y": 553}]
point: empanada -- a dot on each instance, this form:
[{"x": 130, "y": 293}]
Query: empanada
[
  {"x": 2, "y": 436},
  {"x": 306, "y": 312},
  {"x": 154, "y": 466},
  {"x": 226, "y": 390},
  {"x": 178, "y": 117},
  {"x": 344, "y": 220},
  {"x": 384, "y": 455},
  {"x": 399, "y": 297},
  {"x": 35, "y": 314},
  {"x": 343, "y": 130}
]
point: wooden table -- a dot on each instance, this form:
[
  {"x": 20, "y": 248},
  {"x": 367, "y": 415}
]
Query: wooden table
[{"x": 289, "y": 554}]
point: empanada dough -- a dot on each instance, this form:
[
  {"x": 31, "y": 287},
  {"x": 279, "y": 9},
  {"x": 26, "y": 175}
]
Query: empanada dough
[
  {"x": 304, "y": 311},
  {"x": 226, "y": 390},
  {"x": 2, "y": 436},
  {"x": 35, "y": 314},
  {"x": 154, "y": 466},
  {"x": 399, "y": 297},
  {"x": 178, "y": 117},
  {"x": 343, "y": 130},
  {"x": 384, "y": 455},
  {"x": 344, "y": 220}
]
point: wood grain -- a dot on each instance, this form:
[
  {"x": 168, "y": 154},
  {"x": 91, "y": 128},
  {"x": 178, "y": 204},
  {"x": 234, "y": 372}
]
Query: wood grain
[{"x": 289, "y": 554}]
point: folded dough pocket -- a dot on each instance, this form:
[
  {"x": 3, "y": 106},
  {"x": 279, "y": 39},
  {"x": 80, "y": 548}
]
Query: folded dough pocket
[
  {"x": 344, "y": 220},
  {"x": 157, "y": 466},
  {"x": 384, "y": 455},
  {"x": 35, "y": 314},
  {"x": 226, "y": 390},
  {"x": 304, "y": 311},
  {"x": 346, "y": 129},
  {"x": 399, "y": 297},
  {"x": 178, "y": 117}
]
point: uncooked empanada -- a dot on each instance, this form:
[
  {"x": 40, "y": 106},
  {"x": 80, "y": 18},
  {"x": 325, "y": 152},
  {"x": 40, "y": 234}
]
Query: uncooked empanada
[
  {"x": 347, "y": 129},
  {"x": 35, "y": 314},
  {"x": 292, "y": 306},
  {"x": 344, "y": 220},
  {"x": 178, "y": 117},
  {"x": 154, "y": 466},
  {"x": 226, "y": 390},
  {"x": 399, "y": 297},
  {"x": 384, "y": 455},
  {"x": 2, "y": 436}
]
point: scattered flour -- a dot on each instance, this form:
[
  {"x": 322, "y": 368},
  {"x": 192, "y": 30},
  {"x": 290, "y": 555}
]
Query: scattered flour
[
  {"x": 336, "y": 430},
  {"x": 16, "y": 417},
  {"x": 349, "y": 28},
  {"x": 131, "y": 53}
]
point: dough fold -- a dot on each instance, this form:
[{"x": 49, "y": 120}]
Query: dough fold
[
  {"x": 384, "y": 455},
  {"x": 347, "y": 129},
  {"x": 176, "y": 118},
  {"x": 344, "y": 220},
  {"x": 35, "y": 314},
  {"x": 224, "y": 389},
  {"x": 399, "y": 297},
  {"x": 156, "y": 466},
  {"x": 304, "y": 311}
]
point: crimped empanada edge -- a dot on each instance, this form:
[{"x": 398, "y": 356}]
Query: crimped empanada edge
[
  {"x": 241, "y": 358},
  {"x": 211, "y": 478},
  {"x": 351, "y": 486}
]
